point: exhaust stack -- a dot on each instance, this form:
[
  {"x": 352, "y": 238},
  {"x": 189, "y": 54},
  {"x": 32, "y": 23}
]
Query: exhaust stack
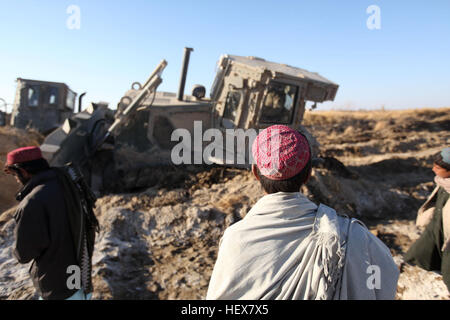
[
  {"x": 184, "y": 69},
  {"x": 80, "y": 98}
]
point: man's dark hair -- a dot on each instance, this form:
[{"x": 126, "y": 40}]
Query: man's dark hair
[
  {"x": 440, "y": 162},
  {"x": 292, "y": 184},
  {"x": 34, "y": 166}
]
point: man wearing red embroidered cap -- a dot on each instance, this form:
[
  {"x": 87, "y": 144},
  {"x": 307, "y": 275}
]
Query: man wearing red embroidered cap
[
  {"x": 287, "y": 247},
  {"x": 42, "y": 233}
]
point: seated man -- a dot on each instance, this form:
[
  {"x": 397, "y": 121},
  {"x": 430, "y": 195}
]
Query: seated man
[{"x": 287, "y": 247}]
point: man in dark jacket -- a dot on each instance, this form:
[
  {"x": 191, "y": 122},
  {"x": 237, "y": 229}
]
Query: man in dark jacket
[{"x": 43, "y": 234}]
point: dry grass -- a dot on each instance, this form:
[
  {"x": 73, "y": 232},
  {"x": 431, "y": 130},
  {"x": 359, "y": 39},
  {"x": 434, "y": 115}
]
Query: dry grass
[{"x": 333, "y": 116}]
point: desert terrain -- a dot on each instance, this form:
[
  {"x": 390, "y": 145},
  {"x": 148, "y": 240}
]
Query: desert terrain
[{"x": 160, "y": 239}]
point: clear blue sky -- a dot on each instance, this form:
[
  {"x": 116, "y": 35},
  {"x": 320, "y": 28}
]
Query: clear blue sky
[{"x": 405, "y": 64}]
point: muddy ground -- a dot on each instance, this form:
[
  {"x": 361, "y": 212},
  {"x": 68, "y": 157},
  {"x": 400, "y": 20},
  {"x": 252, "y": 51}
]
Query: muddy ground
[{"x": 160, "y": 241}]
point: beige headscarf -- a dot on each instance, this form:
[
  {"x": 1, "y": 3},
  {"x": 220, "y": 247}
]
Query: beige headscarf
[{"x": 443, "y": 182}]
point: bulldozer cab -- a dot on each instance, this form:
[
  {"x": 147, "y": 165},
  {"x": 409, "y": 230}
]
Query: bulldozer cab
[
  {"x": 42, "y": 105},
  {"x": 251, "y": 92}
]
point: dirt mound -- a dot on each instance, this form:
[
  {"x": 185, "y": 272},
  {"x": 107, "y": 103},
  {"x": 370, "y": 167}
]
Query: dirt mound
[
  {"x": 189, "y": 177},
  {"x": 162, "y": 243},
  {"x": 10, "y": 139}
]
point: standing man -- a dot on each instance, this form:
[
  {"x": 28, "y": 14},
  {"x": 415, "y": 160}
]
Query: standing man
[
  {"x": 432, "y": 250},
  {"x": 288, "y": 248},
  {"x": 43, "y": 232}
]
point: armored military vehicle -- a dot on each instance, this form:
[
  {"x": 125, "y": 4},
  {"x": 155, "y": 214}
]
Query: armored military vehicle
[
  {"x": 42, "y": 105},
  {"x": 2, "y": 112},
  {"x": 154, "y": 128}
]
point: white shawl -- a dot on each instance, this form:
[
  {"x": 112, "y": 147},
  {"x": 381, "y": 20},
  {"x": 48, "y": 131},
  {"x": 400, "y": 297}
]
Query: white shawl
[{"x": 288, "y": 248}]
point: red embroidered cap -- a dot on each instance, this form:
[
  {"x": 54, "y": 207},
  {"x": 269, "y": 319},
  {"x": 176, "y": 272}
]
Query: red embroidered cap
[
  {"x": 280, "y": 152},
  {"x": 23, "y": 155}
]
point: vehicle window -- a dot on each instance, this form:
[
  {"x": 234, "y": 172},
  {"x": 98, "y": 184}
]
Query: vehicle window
[
  {"x": 52, "y": 95},
  {"x": 231, "y": 105},
  {"x": 70, "y": 100},
  {"x": 279, "y": 102},
  {"x": 33, "y": 96}
]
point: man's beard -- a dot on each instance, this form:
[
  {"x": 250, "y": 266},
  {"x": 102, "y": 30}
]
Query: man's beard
[{"x": 22, "y": 179}]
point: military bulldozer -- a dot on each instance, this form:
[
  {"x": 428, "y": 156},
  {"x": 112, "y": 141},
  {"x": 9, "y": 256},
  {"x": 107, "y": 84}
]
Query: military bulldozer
[
  {"x": 248, "y": 93},
  {"x": 42, "y": 105}
]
